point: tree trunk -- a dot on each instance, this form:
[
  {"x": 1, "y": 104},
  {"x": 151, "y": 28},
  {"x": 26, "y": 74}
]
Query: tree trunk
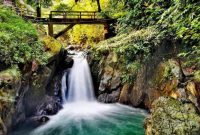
[
  {"x": 38, "y": 8},
  {"x": 99, "y": 6}
]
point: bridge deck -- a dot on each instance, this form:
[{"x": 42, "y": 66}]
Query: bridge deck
[
  {"x": 67, "y": 17},
  {"x": 64, "y": 17}
]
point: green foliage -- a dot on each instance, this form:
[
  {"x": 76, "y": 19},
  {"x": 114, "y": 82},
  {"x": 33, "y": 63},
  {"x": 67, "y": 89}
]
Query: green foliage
[
  {"x": 197, "y": 76},
  {"x": 192, "y": 60},
  {"x": 130, "y": 71},
  {"x": 132, "y": 50},
  {"x": 136, "y": 44},
  {"x": 44, "y": 3},
  {"x": 167, "y": 71},
  {"x": 18, "y": 40},
  {"x": 62, "y": 7},
  {"x": 177, "y": 18},
  {"x": 79, "y": 34},
  {"x": 183, "y": 20}
]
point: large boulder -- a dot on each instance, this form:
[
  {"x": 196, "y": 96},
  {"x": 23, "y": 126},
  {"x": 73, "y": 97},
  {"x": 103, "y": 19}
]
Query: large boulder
[
  {"x": 170, "y": 116},
  {"x": 10, "y": 81}
]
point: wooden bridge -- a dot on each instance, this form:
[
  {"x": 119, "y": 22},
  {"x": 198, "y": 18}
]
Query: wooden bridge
[{"x": 69, "y": 18}]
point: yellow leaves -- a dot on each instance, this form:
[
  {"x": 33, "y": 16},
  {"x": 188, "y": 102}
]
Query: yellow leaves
[
  {"x": 86, "y": 34},
  {"x": 52, "y": 45}
]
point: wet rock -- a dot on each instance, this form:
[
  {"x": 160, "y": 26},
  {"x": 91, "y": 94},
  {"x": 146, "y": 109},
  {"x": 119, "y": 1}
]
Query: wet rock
[
  {"x": 170, "y": 116},
  {"x": 137, "y": 91},
  {"x": 123, "y": 98},
  {"x": 49, "y": 107},
  {"x": 116, "y": 80},
  {"x": 181, "y": 93},
  {"x": 109, "y": 98},
  {"x": 74, "y": 47},
  {"x": 71, "y": 47},
  {"x": 35, "y": 121},
  {"x": 175, "y": 69},
  {"x": 192, "y": 88},
  {"x": 67, "y": 62},
  {"x": 105, "y": 80},
  {"x": 3, "y": 128},
  {"x": 102, "y": 97},
  {"x": 43, "y": 119}
]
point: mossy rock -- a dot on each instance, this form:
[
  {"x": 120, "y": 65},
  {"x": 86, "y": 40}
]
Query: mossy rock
[
  {"x": 170, "y": 116},
  {"x": 197, "y": 76},
  {"x": 52, "y": 44},
  {"x": 9, "y": 79}
]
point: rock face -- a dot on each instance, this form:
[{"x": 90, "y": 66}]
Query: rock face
[
  {"x": 161, "y": 84},
  {"x": 170, "y": 116},
  {"x": 39, "y": 94},
  {"x": 9, "y": 85},
  {"x": 108, "y": 78},
  {"x": 158, "y": 76}
]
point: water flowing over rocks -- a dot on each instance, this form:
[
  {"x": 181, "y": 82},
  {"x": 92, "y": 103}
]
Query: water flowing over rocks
[
  {"x": 82, "y": 114},
  {"x": 162, "y": 74},
  {"x": 40, "y": 93}
]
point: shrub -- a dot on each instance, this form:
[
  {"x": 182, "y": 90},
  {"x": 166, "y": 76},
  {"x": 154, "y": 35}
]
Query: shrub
[{"x": 18, "y": 40}]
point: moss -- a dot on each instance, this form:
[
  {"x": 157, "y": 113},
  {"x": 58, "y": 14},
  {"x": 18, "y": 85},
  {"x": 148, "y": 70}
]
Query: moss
[
  {"x": 197, "y": 75},
  {"x": 126, "y": 39},
  {"x": 170, "y": 116},
  {"x": 167, "y": 71},
  {"x": 128, "y": 51},
  {"x": 52, "y": 45},
  {"x": 12, "y": 74},
  {"x": 8, "y": 79}
]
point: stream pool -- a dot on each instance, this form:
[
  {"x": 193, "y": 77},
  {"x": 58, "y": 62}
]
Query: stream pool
[
  {"x": 91, "y": 119},
  {"x": 82, "y": 114}
]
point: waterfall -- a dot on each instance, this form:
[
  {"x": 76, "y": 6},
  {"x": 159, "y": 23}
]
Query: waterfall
[
  {"x": 64, "y": 87},
  {"x": 83, "y": 115},
  {"x": 80, "y": 82}
]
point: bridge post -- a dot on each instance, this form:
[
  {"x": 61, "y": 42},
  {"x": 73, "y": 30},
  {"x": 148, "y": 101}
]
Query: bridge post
[{"x": 50, "y": 29}]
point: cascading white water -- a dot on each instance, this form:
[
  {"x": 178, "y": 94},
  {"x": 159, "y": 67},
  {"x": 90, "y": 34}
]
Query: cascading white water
[
  {"x": 83, "y": 115},
  {"x": 80, "y": 82},
  {"x": 64, "y": 87}
]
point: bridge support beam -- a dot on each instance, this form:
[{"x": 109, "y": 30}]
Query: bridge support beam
[
  {"x": 63, "y": 31},
  {"x": 50, "y": 29}
]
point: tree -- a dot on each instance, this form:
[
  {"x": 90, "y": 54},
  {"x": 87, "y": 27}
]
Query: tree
[{"x": 99, "y": 6}]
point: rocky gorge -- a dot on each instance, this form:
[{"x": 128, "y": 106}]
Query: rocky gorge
[
  {"x": 32, "y": 96},
  {"x": 161, "y": 84},
  {"x": 143, "y": 68}
]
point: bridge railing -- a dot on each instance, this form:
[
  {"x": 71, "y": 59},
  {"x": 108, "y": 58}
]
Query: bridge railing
[{"x": 74, "y": 14}]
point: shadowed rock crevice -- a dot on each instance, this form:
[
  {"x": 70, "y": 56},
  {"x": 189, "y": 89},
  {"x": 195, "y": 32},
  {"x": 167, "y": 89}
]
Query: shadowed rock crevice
[{"x": 39, "y": 94}]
